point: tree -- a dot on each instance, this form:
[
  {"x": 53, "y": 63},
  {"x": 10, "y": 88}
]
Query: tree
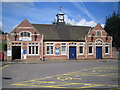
[{"x": 112, "y": 27}]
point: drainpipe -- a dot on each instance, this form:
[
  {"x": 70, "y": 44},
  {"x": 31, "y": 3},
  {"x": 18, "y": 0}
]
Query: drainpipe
[{"x": 42, "y": 46}]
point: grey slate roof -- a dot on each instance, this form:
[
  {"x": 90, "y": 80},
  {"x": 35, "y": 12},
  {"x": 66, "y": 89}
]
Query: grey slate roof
[{"x": 62, "y": 32}]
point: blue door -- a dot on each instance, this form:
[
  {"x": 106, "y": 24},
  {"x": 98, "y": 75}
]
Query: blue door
[
  {"x": 99, "y": 52},
  {"x": 72, "y": 52}
]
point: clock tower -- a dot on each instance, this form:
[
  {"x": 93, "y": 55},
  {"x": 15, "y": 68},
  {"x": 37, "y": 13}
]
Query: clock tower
[{"x": 60, "y": 17}]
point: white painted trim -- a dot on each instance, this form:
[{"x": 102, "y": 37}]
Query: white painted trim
[
  {"x": 99, "y": 36},
  {"x": 89, "y": 31}
]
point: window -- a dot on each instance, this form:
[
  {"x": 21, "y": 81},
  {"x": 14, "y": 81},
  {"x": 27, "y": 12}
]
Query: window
[
  {"x": 63, "y": 50},
  {"x": 57, "y": 51},
  {"x": 90, "y": 49},
  {"x": 36, "y": 49},
  {"x": 30, "y": 49},
  {"x": 25, "y": 34},
  {"x": 81, "y": 49},
  {"x": 98, "y": 33},
  {"x": 106, "y": 50},
  {"x": 33, "y": 49},
  {"x": 81, "y": 44},
  {"x": 49, "y": 49},
  {"x": 63, "y": 43}
]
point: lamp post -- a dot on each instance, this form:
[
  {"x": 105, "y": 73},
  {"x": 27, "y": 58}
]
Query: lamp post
[
  {"x": 15, "y": 35},
  {"x": 35, "y": 35},
  {"x": 92, "y": 37}
]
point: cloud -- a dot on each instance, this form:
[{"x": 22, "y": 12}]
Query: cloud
[
  {"x": 69, "y": 21},
  {"x": 82, "y": 22},
  {"x": 103, "y": 25}
]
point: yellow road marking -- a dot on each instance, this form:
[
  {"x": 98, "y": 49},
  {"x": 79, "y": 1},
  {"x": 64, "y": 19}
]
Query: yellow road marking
[
  {"x": 4, "y": 67},
  {"x": 37, "y": 85},
  {"x": 62, "y": 77}
]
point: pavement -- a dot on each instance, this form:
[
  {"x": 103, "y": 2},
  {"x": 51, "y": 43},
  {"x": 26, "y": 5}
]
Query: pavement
[
  {"x": 30, "y": 61},
  {"x": 62, "y": 74}
]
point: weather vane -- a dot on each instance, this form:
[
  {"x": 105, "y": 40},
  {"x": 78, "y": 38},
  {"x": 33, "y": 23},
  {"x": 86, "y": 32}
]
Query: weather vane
[{"x": 60, "y": 8}]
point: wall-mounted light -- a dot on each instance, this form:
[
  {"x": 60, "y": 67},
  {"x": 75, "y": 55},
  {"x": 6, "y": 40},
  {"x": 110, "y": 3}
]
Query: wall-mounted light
[
  {"x": 92, "y": 37},
  {"x": 15, "y": 35},
  {"x": 35, "y": 36},
  {"x": 106, "y": 38}
]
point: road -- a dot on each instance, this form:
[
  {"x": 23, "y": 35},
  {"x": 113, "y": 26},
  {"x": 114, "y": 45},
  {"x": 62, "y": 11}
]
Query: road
[{"x": 75, "y": 74}]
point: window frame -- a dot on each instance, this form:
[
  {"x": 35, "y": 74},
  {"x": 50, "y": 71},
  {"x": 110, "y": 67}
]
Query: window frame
[
  {"x": 99, "y": 32},
  {"x": 91, "y": 45},
  {"x": 108, "y": 49},
  {"x": 49, "y": 45},
  {"x": 81, "y": 45},
  {"x": 64, "y": 45},
  {"x": 35, "y": 45},
  {"x": 28, "y": 33}
]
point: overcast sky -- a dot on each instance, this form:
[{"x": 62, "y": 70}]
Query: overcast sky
[{"x": 76, "y": 13}]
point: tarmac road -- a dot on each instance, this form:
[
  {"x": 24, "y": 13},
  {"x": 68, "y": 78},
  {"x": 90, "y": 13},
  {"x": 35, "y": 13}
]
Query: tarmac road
[{"x": 70, "y": 74}]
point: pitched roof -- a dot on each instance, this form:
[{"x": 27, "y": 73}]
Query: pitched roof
[
  {"x": 62, "y": 32},
  {"x": 98, "y": 27}
]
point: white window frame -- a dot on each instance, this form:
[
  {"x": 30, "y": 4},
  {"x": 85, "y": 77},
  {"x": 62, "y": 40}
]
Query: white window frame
[
  {"x": 49, "y": 45},
  {"x": 92, "y": 49},
  {"x": 24, "y": 32},
  {"x": 33, "y": 45},
  {"x": 65, "y": 48},
  {"x": 82, "y": 45}
]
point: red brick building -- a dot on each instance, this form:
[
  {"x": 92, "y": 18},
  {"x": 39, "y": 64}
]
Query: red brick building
[{"x": 58, "y": 41}]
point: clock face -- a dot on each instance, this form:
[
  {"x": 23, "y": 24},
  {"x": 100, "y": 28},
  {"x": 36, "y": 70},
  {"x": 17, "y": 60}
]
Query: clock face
[{"x": 60, "y": 17}]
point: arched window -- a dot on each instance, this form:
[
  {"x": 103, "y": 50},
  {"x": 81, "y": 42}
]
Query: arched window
[{"x": 25, "y": 34}]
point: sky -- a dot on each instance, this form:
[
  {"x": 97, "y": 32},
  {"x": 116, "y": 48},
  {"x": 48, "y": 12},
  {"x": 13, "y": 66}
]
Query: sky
[{"x": 76, "y": 13}]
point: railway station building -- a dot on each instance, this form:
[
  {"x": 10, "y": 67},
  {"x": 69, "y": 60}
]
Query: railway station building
[{"x": 58, "y": 41}]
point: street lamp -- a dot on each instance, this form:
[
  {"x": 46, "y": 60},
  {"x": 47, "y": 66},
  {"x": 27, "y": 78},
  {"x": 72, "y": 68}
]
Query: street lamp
[{"x": 35, "y": 35}]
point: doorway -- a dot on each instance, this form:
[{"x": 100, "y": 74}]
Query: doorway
[
  {"x": 16, "y": 52},
  {"x": 72, "y": 52},
  {"x": 98, "y": 52}
]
